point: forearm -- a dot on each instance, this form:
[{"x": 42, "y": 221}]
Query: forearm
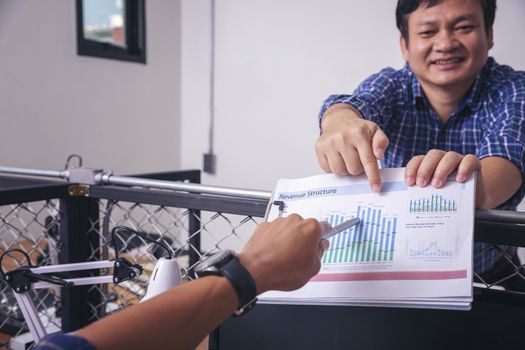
[
  {"x": 338, "y": 111},
  {"x": 177, "y": 319},
  {"x": 497, "y": 180}
]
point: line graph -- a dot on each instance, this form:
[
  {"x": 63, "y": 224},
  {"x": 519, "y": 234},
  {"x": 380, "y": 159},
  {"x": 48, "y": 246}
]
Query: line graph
[{"x": 430, "y": 250}]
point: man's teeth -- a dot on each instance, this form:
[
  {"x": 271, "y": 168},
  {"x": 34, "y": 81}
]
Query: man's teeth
[{"x": 454, "y": 60}]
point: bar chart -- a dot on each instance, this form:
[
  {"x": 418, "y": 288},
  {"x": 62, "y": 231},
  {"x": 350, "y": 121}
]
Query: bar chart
[
  {"x": 434, "y": 204},
  {"x": 372, "y": 241}
]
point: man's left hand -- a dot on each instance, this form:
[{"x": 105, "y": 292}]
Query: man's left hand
[{"x": 436, "y": 166}]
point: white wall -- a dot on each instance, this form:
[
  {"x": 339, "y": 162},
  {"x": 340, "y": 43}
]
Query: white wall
[
  {"x": 117, "y": 115},
  {"x": 276, "y": 61}
]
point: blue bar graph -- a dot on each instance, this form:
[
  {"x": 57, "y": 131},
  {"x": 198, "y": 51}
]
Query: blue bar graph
[
  {"x": 434, "y": 204},
  {"x": 373, "y": 240}
]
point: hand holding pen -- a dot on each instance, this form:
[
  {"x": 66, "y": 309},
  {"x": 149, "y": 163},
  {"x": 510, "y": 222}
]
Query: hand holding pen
[{"x": 341, "y": 227}]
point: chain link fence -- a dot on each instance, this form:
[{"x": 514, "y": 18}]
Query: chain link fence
[
  {"x": 38, "y": 228},
  {"x": 192, "y": 225},
  {"x": 215, "y": 230},
  {"x": 31, "y": 228},
  {"x": 507, "y": 274}
]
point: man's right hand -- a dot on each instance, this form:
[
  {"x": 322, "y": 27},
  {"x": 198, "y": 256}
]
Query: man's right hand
[
  {"x": 350, "y": 144},
  {"x": 285, "y": 253}
]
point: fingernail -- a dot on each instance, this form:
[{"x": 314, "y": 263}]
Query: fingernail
[
  {"x": 461, "y": 178},
  {"x": 381, "y": 154},
  {"x": 325, "y": 226},
  {"x": 410, "y": 180},
  {"x": 376, "y": 188},
  {"x": 421, "y": 182},
  {"x": 437, "y": 182}
]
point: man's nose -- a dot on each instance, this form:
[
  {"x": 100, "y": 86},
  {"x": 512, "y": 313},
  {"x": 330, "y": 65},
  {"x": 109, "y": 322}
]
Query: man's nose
[{"x": 446, "y": 41}]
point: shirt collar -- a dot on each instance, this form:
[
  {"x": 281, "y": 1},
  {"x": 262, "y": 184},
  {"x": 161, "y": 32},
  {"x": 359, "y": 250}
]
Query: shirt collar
[{"x": 473, "y": 99}]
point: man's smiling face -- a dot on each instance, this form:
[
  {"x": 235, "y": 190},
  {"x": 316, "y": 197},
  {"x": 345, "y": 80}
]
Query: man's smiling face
[{"x": 447, "y": 44}]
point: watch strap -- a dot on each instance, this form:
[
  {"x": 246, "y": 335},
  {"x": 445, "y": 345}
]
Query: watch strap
[{"x": 243, "y": 283}]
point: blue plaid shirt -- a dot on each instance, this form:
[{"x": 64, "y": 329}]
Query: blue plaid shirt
[{"x": 490, "y": 121}]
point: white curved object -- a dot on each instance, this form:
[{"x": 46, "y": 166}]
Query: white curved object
[{"x": 166, "y": 275}]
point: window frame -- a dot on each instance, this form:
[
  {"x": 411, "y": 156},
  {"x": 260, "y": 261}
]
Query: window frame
[{"x": 135, "y": 34}]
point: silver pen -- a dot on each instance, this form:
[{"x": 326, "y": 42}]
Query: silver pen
[{"x": 341, "y": 227}]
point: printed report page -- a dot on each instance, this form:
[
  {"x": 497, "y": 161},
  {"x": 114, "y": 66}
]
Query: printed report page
[{"x": 412, "y": 243}]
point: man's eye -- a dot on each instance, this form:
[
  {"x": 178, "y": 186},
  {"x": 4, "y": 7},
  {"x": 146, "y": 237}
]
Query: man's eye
[
  {"x": 426, "y": 33},
  {"x": 468, "y": 28}
]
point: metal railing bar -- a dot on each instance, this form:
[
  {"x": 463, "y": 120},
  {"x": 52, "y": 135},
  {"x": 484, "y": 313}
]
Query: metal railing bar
[
  {"x": 11, "y": 181},
  {"x": 192, "y": 176},
  {"x": 506, "y": 216},
  {"x": 497, "y": 232},
  {"x": 62, "y": 174},
  {"x": 108, "y": 178},
  {"x": 231, "y": 205},
  {"x": 511, "y": 217},
  {"x": 185, "y": 187},
  {"x": 33, "y": 193}
]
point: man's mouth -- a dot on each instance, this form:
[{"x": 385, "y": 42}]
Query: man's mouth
[{"x": 448, "y": 61}]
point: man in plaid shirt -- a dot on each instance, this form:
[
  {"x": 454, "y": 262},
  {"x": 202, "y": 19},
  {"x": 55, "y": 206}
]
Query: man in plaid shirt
[{"x": 451, "y": 108}]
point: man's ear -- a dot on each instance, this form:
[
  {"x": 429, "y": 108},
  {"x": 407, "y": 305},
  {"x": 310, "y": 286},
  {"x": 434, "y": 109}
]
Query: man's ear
[
  {"x": 404, "y": 47},
  {"x": 490, "y": 37}
]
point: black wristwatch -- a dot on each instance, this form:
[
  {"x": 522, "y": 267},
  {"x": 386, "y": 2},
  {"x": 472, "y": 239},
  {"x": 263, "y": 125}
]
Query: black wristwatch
[{"x": 226, "y": 263}]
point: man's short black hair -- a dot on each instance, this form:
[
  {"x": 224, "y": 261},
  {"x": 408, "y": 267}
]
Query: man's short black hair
[{"x": 406, "y": 7}]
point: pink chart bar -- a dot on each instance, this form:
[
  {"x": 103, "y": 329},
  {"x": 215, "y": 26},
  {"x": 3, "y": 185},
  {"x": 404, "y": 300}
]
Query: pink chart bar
[{"x": 385, "y": 276}]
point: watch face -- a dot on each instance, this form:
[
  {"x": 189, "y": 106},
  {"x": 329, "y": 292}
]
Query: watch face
[{"x": 215, "y": 262}]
